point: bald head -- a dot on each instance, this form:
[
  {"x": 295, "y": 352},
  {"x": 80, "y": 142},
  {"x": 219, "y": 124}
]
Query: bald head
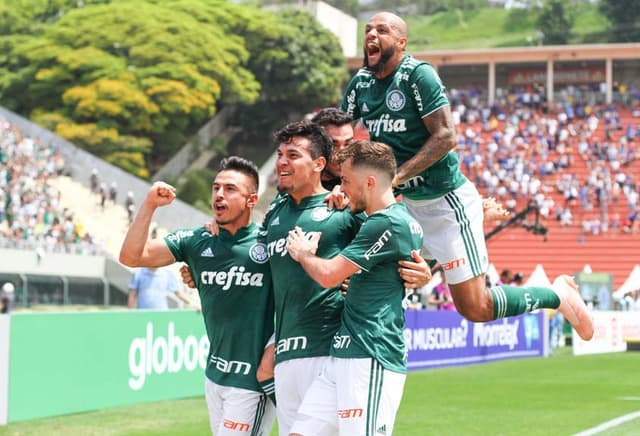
[{"x": 393, "y": 20}]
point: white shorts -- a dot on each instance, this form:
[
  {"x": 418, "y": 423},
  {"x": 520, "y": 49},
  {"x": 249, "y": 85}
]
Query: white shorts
[
  {"x": 293, "y": 378},
  {"x": 354, "y": 397},
  {"x": 237, "y": 411},
  {"x": 453, "y": 232}
]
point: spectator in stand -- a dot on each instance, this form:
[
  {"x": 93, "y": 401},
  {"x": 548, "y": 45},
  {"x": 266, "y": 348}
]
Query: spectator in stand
[
  {"x": 441, "y": 294},
  {"x": 94, "y": 181},
  {"x": 505, "y": 278},
  {"x": 113, "y": 192},
  {"x": 149, "y": 288},
  {"x": 7, "y": 298},
  {"x": 103, "y": 195},
  {"x": 518, "y": 279},
  {"x": 130, "y": 206},
  {"x": 30, "y": 213}
]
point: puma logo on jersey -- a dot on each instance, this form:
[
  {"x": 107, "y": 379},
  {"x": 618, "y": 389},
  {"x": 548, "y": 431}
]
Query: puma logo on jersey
[
  {"x": 236, "y": 276},
  {"x": 386, "y": 124}
]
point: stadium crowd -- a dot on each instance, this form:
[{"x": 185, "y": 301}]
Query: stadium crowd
[
  {"x": 31, "y": 216},
  {"x": 522, "y": 149}
]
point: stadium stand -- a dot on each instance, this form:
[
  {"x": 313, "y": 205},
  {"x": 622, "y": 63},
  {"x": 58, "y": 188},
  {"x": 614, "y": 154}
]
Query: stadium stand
[
  {"x": 54, "y": 234},
  {"x": 31, "y": 213},
  {"x": 579, "y": 165}
]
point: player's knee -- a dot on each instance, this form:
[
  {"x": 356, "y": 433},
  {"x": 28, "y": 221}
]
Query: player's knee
[{"x": 479, "y": 312}]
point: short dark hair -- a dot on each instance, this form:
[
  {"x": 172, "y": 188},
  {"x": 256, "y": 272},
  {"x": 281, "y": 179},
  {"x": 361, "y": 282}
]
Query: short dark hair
[
  {"x": 333, "y": 116},
  {"x": 241, "y": 165},
  {"x": 321, "y": 143},
  {"x": 371, "y": 154}
]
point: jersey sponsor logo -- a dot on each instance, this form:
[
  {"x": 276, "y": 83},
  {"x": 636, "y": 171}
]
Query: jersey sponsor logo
[
  {"x": 207, "y": 252},
  {"x": 291, "y": 344},
  {"x": 351, "y": 102},
  {"x": 341, "y": 341},
  {"x": 402, "y": 76},
  {"x": 415, "y": 228},
  {"x": 279, "y": 246},
  {"x": 349, "y": 413},
  {"x": 239, "y": 426},
  {"x": 180, "y": 234},
  {"x": 413, "y": 182},
  {"x": 364, "y": 108},
  {"x": 455, "y": 263},
  {"x": 417, "y": 97},
  {"x": 206, "y": 234},
  {"x": 230, "y": 366},
  {"x": 366, "y": 84},
  {"x": 258, "y": 253},
  {"x": 396, "y": 100},
  {"x": 320, "y": 213},
  {"x": 377, "y": 246},
  {"x": 236, "y": 276},
  {"x": 386, "y": 124}
]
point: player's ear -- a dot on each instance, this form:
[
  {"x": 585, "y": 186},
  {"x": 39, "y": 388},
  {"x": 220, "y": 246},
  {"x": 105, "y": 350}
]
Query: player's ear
[
  {"x": 252, "y": 199},
  {"x": 320, "y": 163},
  {"x": 371, "y": 182}
]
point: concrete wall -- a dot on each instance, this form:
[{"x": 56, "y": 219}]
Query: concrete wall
[
  {"x": 53, "y": 264},
  {"x": 342, "y": 25}
]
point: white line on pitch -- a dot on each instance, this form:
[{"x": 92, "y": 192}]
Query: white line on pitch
[{"x": 609, "y": 424}]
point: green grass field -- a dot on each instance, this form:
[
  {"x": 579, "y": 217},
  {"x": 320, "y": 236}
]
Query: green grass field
[{"x": 561, "y": 395}]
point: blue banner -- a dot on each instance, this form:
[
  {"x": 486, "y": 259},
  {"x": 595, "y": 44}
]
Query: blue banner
[{"x": 443, "y": 338}]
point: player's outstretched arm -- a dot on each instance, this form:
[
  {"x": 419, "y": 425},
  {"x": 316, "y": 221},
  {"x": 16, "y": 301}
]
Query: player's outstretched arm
[{"x": 138, "y": 249}]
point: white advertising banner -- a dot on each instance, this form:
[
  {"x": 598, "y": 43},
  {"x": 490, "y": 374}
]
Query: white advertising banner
[{"x": 607, "y": 336}]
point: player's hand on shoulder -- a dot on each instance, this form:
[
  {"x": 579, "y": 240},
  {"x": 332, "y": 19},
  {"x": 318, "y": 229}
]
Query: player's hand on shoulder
[
  {"x": 416, "y": 273},
  {"x": 336, "y": 199},
  {"x": 212, "y": 227},
  {"x": 299, "y": 244}
]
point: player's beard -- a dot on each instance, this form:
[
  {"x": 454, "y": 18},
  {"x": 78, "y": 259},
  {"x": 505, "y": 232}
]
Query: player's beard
[{"x": 385, "y": 55}]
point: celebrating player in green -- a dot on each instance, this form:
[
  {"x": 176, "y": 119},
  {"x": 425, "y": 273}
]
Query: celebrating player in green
[
  {"x": 360, "y": 387},
  {"x": 402, "y": 103},
  {"x": 230, "y": 270}
]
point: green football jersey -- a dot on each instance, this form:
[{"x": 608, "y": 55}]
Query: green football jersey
[
  {"x": 307, "y": 315},
  {"x": 373, "y": 318},
  {"x": 392, "y": 108},
  {"x": 233, "y": 279}
]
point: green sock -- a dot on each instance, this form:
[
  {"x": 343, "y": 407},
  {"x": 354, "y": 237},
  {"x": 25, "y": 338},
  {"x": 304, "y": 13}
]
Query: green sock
[
  {"x": 513, "y": 300},
  {"x": 269, "y": 388}
]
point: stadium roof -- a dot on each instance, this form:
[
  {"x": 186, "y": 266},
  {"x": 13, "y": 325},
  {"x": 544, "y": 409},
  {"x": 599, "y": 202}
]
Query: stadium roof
[{"x": 523, "y": 54}]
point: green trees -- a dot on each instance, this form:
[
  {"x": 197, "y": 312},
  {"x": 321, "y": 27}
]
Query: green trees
[
  {"x": 624, "y": 16},
  {"x": 131, "y": 81},
  {"x": 555, "y": 22}
]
